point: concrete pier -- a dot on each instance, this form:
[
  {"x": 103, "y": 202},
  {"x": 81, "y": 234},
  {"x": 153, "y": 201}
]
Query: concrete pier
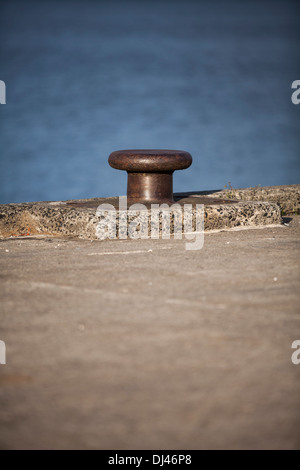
[
  {"x": 226, "y": 209},
  {"x": 140, "y": 344}
]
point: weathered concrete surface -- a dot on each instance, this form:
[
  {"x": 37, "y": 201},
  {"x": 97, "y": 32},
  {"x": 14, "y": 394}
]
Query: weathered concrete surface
[
  {"x": 79, "y": 219},
  {"x": 288, "y": 197},
  {"x": 141, "y": 344}
]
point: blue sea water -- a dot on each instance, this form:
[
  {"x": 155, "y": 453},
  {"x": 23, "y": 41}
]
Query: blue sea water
[{"x": 86, "y": 78}]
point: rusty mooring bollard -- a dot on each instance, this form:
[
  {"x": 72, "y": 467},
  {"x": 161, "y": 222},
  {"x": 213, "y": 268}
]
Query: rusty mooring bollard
[{"x": 150, "y": 173}]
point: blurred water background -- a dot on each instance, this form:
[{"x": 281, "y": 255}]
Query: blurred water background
[{"x": 85, "y": 78}]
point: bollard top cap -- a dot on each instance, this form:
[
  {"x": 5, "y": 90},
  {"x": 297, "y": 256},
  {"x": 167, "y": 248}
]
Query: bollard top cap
[{"x": 150, "y": 161}]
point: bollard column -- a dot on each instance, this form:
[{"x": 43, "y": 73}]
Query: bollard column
[{"x": 150, "y": 173}]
